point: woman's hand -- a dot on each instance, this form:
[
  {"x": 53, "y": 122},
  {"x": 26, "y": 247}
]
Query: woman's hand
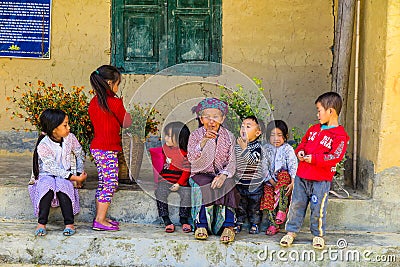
[
  {"x": 289, "y": 188},
  {"x": 218, "y": 181},
  {"x": 174, "y": 187},
  {"x": 210, "y": 134}
]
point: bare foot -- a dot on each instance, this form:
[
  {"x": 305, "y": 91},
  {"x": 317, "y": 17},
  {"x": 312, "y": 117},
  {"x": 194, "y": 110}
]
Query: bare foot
[{"x": 70, "y": 226}]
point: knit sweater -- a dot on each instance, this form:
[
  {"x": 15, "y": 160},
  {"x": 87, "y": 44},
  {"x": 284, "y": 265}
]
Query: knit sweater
[
  {"x": 176, "y": 166},
  {"x": 106, "y": 124},
  {"x": 216, "y": 157},
  {"x": 249, "y": 163},
  {"x": 280, "y": 158},
  {"x": 326, "y": 147}
]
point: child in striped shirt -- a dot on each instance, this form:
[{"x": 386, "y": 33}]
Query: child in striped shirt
[{"x": 249, "y": 174}]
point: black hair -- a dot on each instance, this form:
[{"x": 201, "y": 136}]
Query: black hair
[
  {"x": 330, "y": 100},
  {"x": 260, "y": 123},
  {"x": 48, "y": 120},
  {"x": 99, "y": 81},
  {"x": 179, "y": 132},
  {"x": 281, "y": 125}
]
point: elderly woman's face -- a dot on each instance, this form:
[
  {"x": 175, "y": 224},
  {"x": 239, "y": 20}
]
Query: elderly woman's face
[{"x": 212, "y": 118}]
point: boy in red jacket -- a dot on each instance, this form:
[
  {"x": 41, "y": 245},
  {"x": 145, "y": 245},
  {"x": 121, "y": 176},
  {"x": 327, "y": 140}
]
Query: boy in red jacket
[{"x": 321, "y": 148}]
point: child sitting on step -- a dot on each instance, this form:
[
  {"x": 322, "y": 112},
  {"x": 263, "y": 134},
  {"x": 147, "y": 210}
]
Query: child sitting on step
[
  {"x": 52, "y": 170},
  {"x": 175, "y": 175},
  {"x": 249, "y": 174},
  {"x": 280, "y": 175}
]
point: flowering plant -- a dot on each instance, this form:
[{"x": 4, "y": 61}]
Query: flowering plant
[
  {"x": 243, "y": 103},
  {"x": 33, "y": 100},
  {"x": 144, "y": 121}
]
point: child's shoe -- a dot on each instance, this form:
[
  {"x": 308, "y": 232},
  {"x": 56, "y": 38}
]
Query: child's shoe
[
  {"x": 254, "y": 229},
  {"x": 238, "y": 228},
  {"x": 272, "y": 230},
  {"x": 170, "y": 228}
]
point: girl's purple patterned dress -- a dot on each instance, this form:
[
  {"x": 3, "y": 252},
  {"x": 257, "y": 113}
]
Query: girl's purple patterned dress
[{"x": 54, "y": 169}]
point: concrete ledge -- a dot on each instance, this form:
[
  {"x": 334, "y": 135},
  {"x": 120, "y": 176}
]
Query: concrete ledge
[
  {"x": 136, "y": 206},
  {"x": 132, "y": 205},
  {"x": 144, "y": 245}
]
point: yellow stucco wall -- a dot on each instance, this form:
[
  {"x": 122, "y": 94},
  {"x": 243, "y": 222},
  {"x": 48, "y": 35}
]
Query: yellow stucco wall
[
  {"x": 286, "y": 43},
  {"x": 389, "y": 154},
  {"x": 80, "y": 41},
  {"x": 379, "y": 119},
  {"x": 372, "y": 77}
]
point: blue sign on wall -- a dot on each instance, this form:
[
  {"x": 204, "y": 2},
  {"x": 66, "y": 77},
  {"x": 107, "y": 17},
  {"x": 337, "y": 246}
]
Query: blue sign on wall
[{"x": 25, "y": 28}]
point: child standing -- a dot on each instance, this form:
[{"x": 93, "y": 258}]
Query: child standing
[
  {"x": 108, "y": 115},
  {"x": 53, "y": 184},
  {"x": 249, "y": 174},
  {"x": 322, "y": 147},
  {"x": 175, "y": 175},
  {"x": 280, "y": 175}
]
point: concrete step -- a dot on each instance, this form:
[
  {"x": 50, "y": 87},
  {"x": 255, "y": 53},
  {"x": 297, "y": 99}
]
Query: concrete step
[
  {"x": 136, "y": 203},
  {"x": 149, "y": 245},
  {"x": 138, "y": 206}
]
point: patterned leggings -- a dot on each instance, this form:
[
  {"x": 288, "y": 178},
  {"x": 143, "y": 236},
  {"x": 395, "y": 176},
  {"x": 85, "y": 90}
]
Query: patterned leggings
[{"x": 107, "y": 169}]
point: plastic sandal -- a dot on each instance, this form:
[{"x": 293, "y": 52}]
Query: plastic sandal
[
  {"x": 287, "y": 240},
  {"x": 238, "y": 228},
  {"x": 272, "y": 230},
  {"x": 318, "y": 242},
  {"x": 186, "y": 228},
  {"x": 115, "y": 223},
  {"x": 254, "y": 229},
  {"x": 201, "y": 233},
  {"x": 101, "y": 227},
  {"x": 40, "y": 232},
  {"x": 69, "y": 232},
  {"x": 170, "y": 228},
  {"x": 280, "y": 217},
  {"x": 228, "y": 232},
  {"x": 112, "y": 222}
]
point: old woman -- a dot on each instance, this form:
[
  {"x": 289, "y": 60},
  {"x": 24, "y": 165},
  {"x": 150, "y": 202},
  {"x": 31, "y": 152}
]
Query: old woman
[{"x": 212, "y": 158}]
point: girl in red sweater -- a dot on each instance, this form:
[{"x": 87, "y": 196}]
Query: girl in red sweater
[
  {"x": 175, "y": 175},
  {"x": 108, "y": 115}
]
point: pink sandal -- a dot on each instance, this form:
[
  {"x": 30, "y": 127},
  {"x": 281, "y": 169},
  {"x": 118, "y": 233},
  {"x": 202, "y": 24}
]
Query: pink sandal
[
  {"x": 280, "y": 217},
  {"x": 272, "y": 230},
  {"x": 186, "y": 228},
  {"x": 170, "y": 228}
]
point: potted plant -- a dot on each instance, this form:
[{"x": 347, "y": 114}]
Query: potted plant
[
  {"x": 31, "y": 100},
  {"x": 145, "y": 122}
]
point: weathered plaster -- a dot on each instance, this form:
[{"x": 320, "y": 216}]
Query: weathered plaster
[
  {"x": 388, "y": 154},
  {"x": 285, "y": 43}
]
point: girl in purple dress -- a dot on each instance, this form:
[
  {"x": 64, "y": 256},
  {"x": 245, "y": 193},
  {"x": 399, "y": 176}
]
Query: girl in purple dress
[{"x": 54, "y": 179}]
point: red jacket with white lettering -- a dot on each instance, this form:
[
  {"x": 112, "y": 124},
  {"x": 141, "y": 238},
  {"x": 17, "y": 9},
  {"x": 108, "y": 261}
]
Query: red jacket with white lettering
[{"x": 326, "y": 147}]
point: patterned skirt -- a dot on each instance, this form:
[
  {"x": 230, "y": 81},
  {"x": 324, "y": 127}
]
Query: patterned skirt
[
  {"x": 56, "y": 184},
  {"x": 270, "y": 199}
]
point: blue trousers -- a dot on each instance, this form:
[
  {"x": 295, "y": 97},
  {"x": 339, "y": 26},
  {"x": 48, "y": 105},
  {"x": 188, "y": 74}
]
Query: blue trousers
[
  {"x": 307, "y": 192},
  {"x": 249, "y": 204}
]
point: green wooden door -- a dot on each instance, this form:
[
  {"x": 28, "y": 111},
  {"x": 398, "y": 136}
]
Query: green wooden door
[
  {"x": 150, "y": 35},
  {"x": 138, "y": 30}
]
